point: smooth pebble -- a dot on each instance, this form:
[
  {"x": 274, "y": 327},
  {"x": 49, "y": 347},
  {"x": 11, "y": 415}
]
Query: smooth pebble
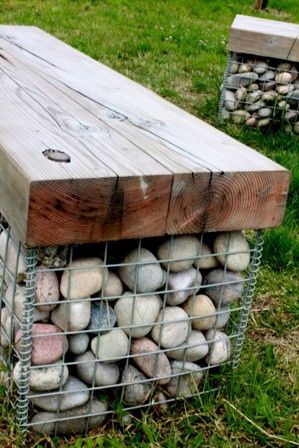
[
  {"x": 175, "y": 329},
  {"x": 179, "y": 247}
]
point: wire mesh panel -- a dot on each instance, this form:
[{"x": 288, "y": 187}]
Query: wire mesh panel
[
  {"x": 259, "y": 92},
  {"x": 89, "y": 330}
]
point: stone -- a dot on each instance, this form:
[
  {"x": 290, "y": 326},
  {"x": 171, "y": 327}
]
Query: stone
[
  {"x": 267, "y": 76},
  {"x": 252, "y": 121},
  {"x": 7, "y": 327},
  {"x": 43, "y": 378},
  {"x": 72, "y": 316},
  {"x": 234, "y": 67},
  {"x": 53, "y": 256},
  {"x": 186, "y": 380},
  {"x": 175, "y": 330},
  {"x": 77, "y": 395},
  {"x": 141, "y": 278},
  {"x": 296, "y": 127},
  {"x": 253, "y": 87},
  {"x": 283, "y": 78},
  {"x": 47, "y": 346},
  {"x": 138, "y": 389},
  {"x": 222, "y": 317},
  {"x": 146, "y": 310},
  {"x": 159, "y": 403},
  {"x": 78, "y": 343},
  {"x": 71, "y": 426},
  {"x": 112, "y": 285},
  {"x": 152, "y": 364},
  {"x": 82, "y": 278},
  {"x": 202, "y": 311},
  {"x": 241, "y": 94},
  {"x": 178, "y": 248},
  {"x": 284, "y": 66},
  {"x": 111, "y": 346},
  {"x": 220, "y": 349},
  {"x": 220, "y": 293},
  {"x": 264, "y": 112},
  {"x": 182, "y": 282},
  {"x": 293, "y": 97},
  {"x": 266, "y": 86},
  {"x": 269, "y": 96},
  {"x": 260, "y": 67},
  {"x": 225, "y": 115},
  {"x": 230, "y": 102},
  {"x": 206, "y": 259},
  {"x": 102, "y": 318},
  {"x": 252, "y": 97},
  {"x": 15, "y": 301},
  {"x": 255, "y": 106},
  {"x": 193, "y": 349},
  {"x": 240, "y": 116},
  {"x": 284, "y": 89},
  {"x": 263, "y": 122},
  {"x": 283, "y": 105},
  {"x": 245, "y": 68},
  {"x": 294, "y": 73},
  {"x": 291, "y": 116},
  {"x": 12, "y": 256},
  {"x": 91, "y": 371},
  {"x": 46, "y": 289},
  {"x": 236, "y": 244},
  {"x": 241, "y": 80}
]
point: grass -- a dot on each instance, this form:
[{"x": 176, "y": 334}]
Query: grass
[{"x": 178, "y": 49}]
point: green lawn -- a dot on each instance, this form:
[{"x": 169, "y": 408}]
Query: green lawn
[{"x": 178, "y": 49}]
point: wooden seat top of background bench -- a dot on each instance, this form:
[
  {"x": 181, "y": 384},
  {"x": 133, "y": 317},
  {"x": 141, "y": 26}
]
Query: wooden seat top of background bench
[{"x": 139, "y": 166}]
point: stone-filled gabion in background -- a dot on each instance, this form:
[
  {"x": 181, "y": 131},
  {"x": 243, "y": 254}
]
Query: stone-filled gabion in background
[
  {"x": 257, "y": 91},
  {"x": 141, "y": 322}
]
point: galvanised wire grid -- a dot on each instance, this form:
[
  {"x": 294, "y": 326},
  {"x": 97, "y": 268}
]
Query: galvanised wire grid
[
  {"x": 260, "y": 92},
  {"x": 76, "y": 357}
]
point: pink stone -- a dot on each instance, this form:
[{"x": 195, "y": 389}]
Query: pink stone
[{"x": 47, "y": 347}]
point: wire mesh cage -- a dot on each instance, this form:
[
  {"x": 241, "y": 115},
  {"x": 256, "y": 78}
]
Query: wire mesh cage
[
  {"x": 87, "y": 330},
  {"x": 260, "y": 92}
]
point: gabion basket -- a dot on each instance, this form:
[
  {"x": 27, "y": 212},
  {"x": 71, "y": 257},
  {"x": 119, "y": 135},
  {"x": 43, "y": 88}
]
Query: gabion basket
[
  {"x": 260, "y": 92},
  {"x": 88, "y": 330}
]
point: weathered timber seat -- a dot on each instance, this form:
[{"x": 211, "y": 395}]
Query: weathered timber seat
[{"x": 133, "y": 164}]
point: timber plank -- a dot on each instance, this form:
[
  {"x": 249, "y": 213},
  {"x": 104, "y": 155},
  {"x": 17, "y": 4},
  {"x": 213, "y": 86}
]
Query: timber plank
[
  {"x": 140, "y": 166},
  {"x": 263, "y": 37}
]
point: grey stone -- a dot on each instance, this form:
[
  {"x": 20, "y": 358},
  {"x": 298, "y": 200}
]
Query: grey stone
[
  {"x": 112, "y": 285},
  {"x": 240, "y": 116},
  {"x": 72, "y": 426},
  {"x": 102, "y": 317},
  {"x": 179, "y": 281},
  {"x": 193, "y": 349},
  {"x": 186, "y": 379},
  {"x": 206, "y": 259},
  {"x": 241, "y": 94},
  {"x": 267, "y": 76},
  {"x": 266, "y": 86},
  {"x": 138, "y": 387},
  {"x": 89, "y": 369},
  {"x": 44, "y": 378},
  {"x": 178, "y": 248},
  {"x": 255, "y": 106},
  {"x": 260, "y": 67},
  {"x": 72, "y": 316},
  {"x": 241, "y": 80},
  {"x": 78, "y": 343},
  {"x": 77, "y": 395},
  {"x": 236, "y": 244},
  {"x": 293, "y": 97},
  {"x": 264, "y": 112},
  {"x": 174, "y": 331},
  {"x": 230, "y": 102},
  {"x": 225, "y": 293},
  {"x": 111, "y": 346},
  {"x": 219, "y": 349},
  {"x": 223, "y": 317},
  {"x": 252, "y": 97}
]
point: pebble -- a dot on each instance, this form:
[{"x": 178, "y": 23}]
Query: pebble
[
  {"x": 241, "y": 94},
  {"x": 296, "y": 127},
  {"x": 12, "y": 256},
  {"x": 241, "y": 79},
  {"x": 293, "y": 97},
  {"x": 284, "y": 89},
  {"x": 283, "y": 78},
  {"x": 225, "y": 114},
  {"x": 245, "y": 68},
  {"x": 7, "y": 327},
  {"x": 102, "y": 317},
  {"x": 15, "y": 301},
  {"x": 77, "y": 395},
  {"x": 269, "y": 96},
  {"x": 252, "y": 121},
  {"x": 234, "y": 67},
  {"x": 225, "y": 293},
  {"x": 236, "y": 244},
  {"x": 43, "y": 378},
  {"x": 206, "y": 259},
  {"x": 265, "y": 112},
  {"x": 146, "y": 310},
  {"x": 180, "y": 281},
  {"x": 175, "y": 330},
  {"x": 72, "y": 316},
  {"x": 291, "y": 116},
  {"x": 240, "y": 116},
  {"x": 112, "y": 285},
  {"x": 111, "y": 347},
  {"x": 185, "y": 384},
  {"x": 152, "y": 364},
  {"x": 223, "y": 317},
  {"x": 141, "y": 278},
  {"x": 220, "y": 349},
  {"x": 253, "y": 97},
  {"x": 270, "y": 85},
  {"x": 267, "y": 76},
  {"x": 202, "y": 311},
  {"x": 78, "y": 343},
  {"x": 185, "y": 246},
  {"x": 284, "y": 67},
  {"x": 253, "y": 87},
  {"x": 197, "y": 348},
  {"x": 47, "y": 347},
  {"x": 255, "y": 106},
  {"x": 294, "y": 73},
  {"x": 137, "y": 392},
  {"x": 47, "y": 289},
  {"x": 263, "y": 122},
  {"x": 88, "y": 368},
  {"x": 230, "y": 102},
  {"x": 260, "y": 67},
  {"x": 83, "y": 280},
  {"x": 71, "y": 426}
]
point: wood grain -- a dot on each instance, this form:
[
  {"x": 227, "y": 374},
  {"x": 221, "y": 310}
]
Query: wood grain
[
  {"x": 139, "y": 166},
  {"x": 262, "y": 37}
]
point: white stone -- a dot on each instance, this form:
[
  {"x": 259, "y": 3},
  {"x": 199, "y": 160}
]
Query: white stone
[
  {"x": 72, "y": 316},
  {"x": 82, "y": 278},
  {"x": 206, "y": 258},
  {"x": 146, "y": 310},
  {"x": 78, "y": 343},
  {"x": 89, "y": 370},
  {"x": 44, "y": 378},
  {"x": 220, "y": 349},
  {"x": 8, "y": 327},
  {"x": 202, "y": 311},
  {"x": 111, "y": 346},
  {"x": 77, "y": 395},
  {"x": 236, "y": 244},
  {"x": 283, "y": 78},
  {"x": 179, "y": 247},
  {"x": 12, "y": 257},
  {"x": 182, "y": 282},
  {"x": 186, "y": 380},
  {"x": 145, "y": 277},
  {"x": 70, "y": 426},
  {"x": 46, "y": 289},
  {"x": 223, "y": 316},
  {"x": 112, "y": 285},
  {"x": 193, "y": 349},
  {"x": 174, "y": 330},
  {"x": 15, "y": 300}
]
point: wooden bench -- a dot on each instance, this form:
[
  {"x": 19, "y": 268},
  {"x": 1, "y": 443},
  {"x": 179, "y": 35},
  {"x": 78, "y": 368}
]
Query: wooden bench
[{"x": 133, "y": 165}]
